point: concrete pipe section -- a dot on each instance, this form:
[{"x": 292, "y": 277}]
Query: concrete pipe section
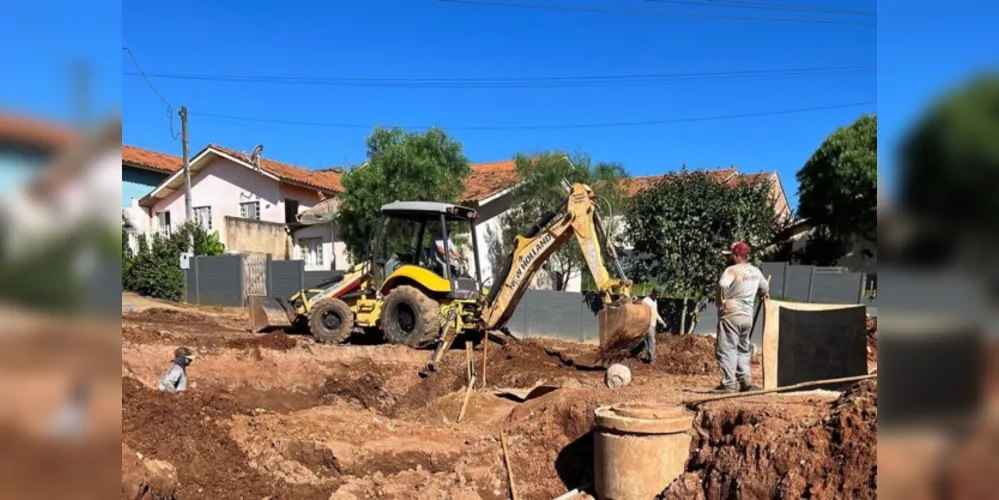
[{"x": 639, "y": 449}]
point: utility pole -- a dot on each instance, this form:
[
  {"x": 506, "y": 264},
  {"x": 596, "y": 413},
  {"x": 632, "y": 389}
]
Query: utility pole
[
  {"x": 187, "y": 172},
  {"x": 81, "y": 93}
]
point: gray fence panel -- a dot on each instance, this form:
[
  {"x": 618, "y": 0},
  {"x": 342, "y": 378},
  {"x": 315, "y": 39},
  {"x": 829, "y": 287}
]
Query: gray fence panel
[
  {"x": 554, "y": 314},
  {"x": 798, "y": 283},
  {"x": 588, "y": 317},
  {"x": 830, "y": 287},
  {"x": 562, "y": 315},
  {"x": 775, "y": 270},
  {"x": 314, "y": 278},
  {"x": 285, "y": 278},
  {"x": 192, "y": 284},
  {"x": 708, "y": 322},
  {"x": 220, "y": 280},
  {"x": 518, "y": 322}
]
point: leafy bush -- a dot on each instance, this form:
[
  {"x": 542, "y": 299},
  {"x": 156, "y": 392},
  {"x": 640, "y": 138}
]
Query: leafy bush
[{"x": 154, "y": 271}]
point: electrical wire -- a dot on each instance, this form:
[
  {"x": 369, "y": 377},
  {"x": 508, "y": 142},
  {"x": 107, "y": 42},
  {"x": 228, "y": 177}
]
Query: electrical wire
[
  {"x": 659, "y": 14},
  {"x": 169, "y": 107},
  {"x": 526, "y": 82},
  {"x": 817, "y": 9},
  {"x": 548, "y": 127}
]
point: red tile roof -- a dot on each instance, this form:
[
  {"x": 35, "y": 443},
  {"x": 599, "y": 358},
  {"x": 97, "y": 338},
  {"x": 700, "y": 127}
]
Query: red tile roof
[
  {"x": 634, "y": 185},
  {"x": 33, "y": 133},
  {"x": 152, "y": 160},
  {"x": 326, "y": 180},
  {"x": 487, "y": 179}
]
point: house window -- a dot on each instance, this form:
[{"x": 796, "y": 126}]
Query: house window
[
  {"x": 290, "y": 211},
  {"x": 312, "y": 252},
  {"x": 163, "y": 218},
  {"x": 250, "y": 210},
  {"x": 203, "y": 216}
]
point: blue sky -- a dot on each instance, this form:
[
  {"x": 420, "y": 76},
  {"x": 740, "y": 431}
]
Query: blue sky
[
  {"x": 428, "y": 39},
  {"x": 918, "y": 49}
]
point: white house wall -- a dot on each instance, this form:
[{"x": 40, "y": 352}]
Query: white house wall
[
  {"x": 489, "y": 231},
  {"x": 223, "y": 185}
]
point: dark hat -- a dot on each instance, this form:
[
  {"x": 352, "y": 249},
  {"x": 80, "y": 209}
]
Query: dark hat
[
  {"x": 183, "y": 352},
  {"x": 657, "y": 291},
  {"x": 739, "y": 249}
]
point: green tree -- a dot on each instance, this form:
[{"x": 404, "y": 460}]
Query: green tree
[
  {"x": 680, "y": 227},
  {"x": 839, "y": 187},
  {"x": 401, "y": 166},
  {"x": 541, "y": 190},
  {"x": 950, "y": 166}
]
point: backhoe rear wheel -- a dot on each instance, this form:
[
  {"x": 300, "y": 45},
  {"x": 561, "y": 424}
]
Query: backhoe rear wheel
[
  {"x": 410, "y": 318},
  {"x": 331, "y": 321}
]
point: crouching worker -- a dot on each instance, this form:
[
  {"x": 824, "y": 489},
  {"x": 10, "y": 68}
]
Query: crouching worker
[
  {"x": 737, "y": 290},
  {"x": 175, "y": 380}
]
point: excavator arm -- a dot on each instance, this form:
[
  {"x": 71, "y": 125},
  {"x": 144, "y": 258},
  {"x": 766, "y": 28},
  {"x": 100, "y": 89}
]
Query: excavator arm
[
  {"x": 621, "y": 323},
  {"x": 576, "y": 215}
]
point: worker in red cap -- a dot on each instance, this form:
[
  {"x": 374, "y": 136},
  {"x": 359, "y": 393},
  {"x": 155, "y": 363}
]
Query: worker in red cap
[{"x": 737, "y": 290}]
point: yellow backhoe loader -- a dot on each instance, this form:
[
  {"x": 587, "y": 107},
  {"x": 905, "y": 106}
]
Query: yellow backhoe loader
[{"x": 419, "y": 291}]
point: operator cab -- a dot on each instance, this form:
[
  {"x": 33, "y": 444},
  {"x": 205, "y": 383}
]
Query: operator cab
[{"x": 431, "y": 236}]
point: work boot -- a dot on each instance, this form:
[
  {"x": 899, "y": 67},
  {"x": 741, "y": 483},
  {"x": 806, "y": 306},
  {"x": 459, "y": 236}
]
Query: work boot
[
  {"x": 748, "y": 388},
  {"x": 724, "y": 389}
]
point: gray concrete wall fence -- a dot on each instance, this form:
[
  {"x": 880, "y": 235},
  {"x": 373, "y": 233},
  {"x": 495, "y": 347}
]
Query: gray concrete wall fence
[
  {"x": 541, "y": 313},
  {"x": 219, "y": 280}
]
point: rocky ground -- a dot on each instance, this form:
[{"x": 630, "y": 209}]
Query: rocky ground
[{"x": 279, "y": 416}]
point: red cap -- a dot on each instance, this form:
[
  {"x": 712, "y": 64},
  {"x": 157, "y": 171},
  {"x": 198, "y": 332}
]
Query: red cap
[{"x": 739, "y": 249}]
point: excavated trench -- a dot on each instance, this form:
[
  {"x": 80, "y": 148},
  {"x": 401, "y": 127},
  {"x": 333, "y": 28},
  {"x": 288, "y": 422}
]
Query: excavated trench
[{"x": 281, "y": 417}]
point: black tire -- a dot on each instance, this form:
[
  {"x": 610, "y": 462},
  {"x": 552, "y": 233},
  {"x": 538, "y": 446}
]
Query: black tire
[
  {"x": 331, "y": 321},
  {"x": 410, "y": 318}
]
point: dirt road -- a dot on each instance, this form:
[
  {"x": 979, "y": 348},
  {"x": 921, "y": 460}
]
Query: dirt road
[{"x": 283, "y": 417}]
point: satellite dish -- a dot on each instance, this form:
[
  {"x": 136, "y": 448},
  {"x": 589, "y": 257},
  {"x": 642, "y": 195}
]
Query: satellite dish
[{"x": 255, "y": 156}]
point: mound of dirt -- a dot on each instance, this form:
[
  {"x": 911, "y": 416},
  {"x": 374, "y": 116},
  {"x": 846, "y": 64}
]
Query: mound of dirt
[
  {"x": 277, "y": 341},
  {"x": 675, "y": 355},
  {"x": 188, "y": 430},
  {"x": 146, "y": 479},
  {"x": 365, "y": 389},
  {"x": 872, "y": 340},
  {"x": 785, "y": 452},
  {"x": 139, "y": 334}
]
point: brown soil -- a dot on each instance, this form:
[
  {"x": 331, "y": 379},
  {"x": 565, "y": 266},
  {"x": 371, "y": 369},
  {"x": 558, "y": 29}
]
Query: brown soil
[
  {"x": 278, "y": 341},
  {"x": 187, "y": 431},
  {"x": 872, "y": 340},
  {"x": 782, "y": 452},
  {"x": 267, "y": 416}
]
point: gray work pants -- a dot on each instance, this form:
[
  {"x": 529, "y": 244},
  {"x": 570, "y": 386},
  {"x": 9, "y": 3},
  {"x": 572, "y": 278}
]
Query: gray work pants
[
  {"x": 650, "y": 342},
  {"x": 734, "y": 351}
]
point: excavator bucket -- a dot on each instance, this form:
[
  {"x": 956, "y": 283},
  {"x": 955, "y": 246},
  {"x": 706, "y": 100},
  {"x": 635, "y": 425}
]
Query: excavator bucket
[
  {"x": 268, "y": 313},
  {"x": 622, "y": 326}
]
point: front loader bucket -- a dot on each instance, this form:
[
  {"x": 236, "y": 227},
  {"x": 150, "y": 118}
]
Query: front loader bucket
[
  {"x": 267, "y": 313},
  {"x": 622, "y": 326}
]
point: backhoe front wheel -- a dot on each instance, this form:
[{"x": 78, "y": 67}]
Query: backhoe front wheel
[
  {"x": 410, "y": 318},
  {"x": 331, "y": 321}
]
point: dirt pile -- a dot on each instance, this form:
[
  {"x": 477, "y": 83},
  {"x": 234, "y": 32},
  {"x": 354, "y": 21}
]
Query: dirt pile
[
  {"x": 785, "y": 452},
  {"x": 146, "y": 479},
  {"x": 188, "y": 432},
  {"x": 872, "y": 340},
  {"x": 361, "y": 385},
  {"x": 278, "y": 341}
]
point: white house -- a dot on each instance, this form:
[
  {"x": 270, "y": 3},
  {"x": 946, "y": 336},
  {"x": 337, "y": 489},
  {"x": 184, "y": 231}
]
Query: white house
[{"x": 252, "y": 202}]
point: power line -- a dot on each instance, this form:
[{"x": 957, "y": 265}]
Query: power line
[
  {"x": 169, "y": 107},
  {"x": 524, "y": 82},
  {"x": 660, "y": 14},
  {"x": 549, "y": 127},
  {"x": 769, "y": 6}
]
